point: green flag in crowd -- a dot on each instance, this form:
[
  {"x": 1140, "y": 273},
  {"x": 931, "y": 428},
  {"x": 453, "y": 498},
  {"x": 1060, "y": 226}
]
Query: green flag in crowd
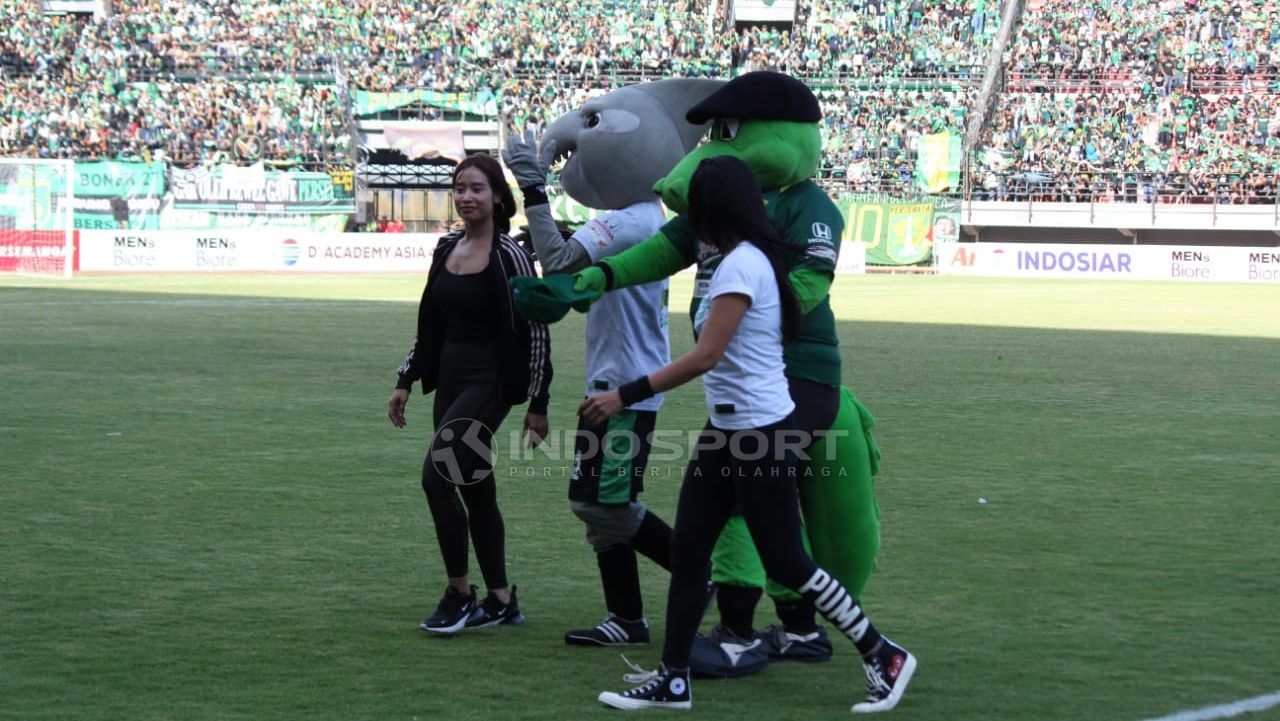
[{"x": 938, "y": 162}]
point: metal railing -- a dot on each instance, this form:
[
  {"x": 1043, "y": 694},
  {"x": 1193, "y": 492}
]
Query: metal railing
[
  {"x": 1120, "y": 187},
  {"x": 1132, "y": 80}
]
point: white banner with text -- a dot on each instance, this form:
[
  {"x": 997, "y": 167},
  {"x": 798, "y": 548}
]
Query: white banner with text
[
  {"x": 184, "y": 251},
  {"x": 1126, "y": 262}
]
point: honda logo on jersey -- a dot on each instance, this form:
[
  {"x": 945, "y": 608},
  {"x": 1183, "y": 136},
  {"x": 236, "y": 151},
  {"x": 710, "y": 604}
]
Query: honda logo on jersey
[{"x": 821, "y": 231}]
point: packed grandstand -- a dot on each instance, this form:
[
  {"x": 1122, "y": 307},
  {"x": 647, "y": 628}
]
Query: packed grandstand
[{"x": 1085, "y": 100}]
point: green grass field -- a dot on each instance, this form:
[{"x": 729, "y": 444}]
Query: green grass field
[{"x": 205, "y": 514}]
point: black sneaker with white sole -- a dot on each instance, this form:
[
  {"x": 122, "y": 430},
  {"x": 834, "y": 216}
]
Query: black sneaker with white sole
[
  {"x": 612, "y": 631},
  {"x": 492, "y": 612},
  {"x": 452, "y": 612},
  {"x": 782, "y": 645},
  {"x": 889, "y": 670},
  {"x": 722, "y": 654},
  {"x": 668, "y": 688}
]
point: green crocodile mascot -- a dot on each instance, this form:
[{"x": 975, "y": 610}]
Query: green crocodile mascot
[{"x": 770, "y": 121}]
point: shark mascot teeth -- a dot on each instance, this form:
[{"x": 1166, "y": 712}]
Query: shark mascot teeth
[{"x": 615, "y": 148}]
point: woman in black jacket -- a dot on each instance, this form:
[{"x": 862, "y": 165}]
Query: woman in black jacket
[{"x": 481, "y": 358}]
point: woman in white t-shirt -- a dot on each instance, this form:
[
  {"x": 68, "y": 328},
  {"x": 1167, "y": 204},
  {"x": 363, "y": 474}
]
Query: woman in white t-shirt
[{"x": 746, "y": 456}]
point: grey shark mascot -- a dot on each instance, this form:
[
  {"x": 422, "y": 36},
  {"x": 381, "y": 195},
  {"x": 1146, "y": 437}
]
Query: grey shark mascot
[{"x": 616, "y": 147}]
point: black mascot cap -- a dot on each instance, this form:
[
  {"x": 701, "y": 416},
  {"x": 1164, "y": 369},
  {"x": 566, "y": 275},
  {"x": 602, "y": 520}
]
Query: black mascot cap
[{"x": 761, "y": 95}]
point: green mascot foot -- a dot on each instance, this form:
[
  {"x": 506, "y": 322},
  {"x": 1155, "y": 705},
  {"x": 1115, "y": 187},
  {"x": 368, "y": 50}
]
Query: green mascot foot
[{"x": 722, "y": 654}]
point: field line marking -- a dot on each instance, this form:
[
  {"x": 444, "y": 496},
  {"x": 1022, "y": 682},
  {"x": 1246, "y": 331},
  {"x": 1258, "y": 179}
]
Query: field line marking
[
  {"x": 1249, "y": 705},
  {"x": 205, "y": 302}
]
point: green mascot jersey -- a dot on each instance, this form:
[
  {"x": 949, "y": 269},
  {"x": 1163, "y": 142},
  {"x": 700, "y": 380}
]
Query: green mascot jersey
[{"x": 813, "y": 224}]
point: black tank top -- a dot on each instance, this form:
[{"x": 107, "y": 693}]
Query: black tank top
[{"x": 471, "y": 305}]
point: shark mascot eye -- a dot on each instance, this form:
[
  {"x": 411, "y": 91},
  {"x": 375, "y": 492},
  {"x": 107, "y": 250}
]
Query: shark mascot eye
[{"x": 612, "y": 120}]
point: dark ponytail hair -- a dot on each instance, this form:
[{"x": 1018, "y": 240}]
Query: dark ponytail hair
[
  {"x": 726, "y": 206},
  {"x": 504, "y": 202}
]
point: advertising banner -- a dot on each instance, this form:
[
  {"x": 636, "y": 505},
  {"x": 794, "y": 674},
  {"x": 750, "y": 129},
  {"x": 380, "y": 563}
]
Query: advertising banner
[
  {"x": 221, "y": 189},
  {"x": 178, "y": 251},
  {"x": 118, "y": 195},
  {"x": 1128, "y": 262},
  {"x": 368, "y": 102}
]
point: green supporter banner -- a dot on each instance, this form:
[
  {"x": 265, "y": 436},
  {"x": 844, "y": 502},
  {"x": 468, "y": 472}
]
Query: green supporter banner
[
  {"x": 253, "y": 190},
  {"x": 371, "y": 103},
  {"x": 113, "y": 194},
  {"x": 173, "y": 219},
  {"x": 894, "y": 232},
  {"x": 108, "y": 195}
]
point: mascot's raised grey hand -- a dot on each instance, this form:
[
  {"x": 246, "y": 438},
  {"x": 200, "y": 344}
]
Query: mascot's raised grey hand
[
  {"x": 617, "y": 146},
  {"x": 770, "y": 121}
]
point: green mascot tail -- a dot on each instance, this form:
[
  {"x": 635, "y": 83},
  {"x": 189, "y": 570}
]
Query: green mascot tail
[{"x": 838, "y": 499}]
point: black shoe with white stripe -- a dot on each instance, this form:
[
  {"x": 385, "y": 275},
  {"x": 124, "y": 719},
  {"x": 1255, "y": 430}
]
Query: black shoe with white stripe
[
  {"x": 667, "y": 688},
  {"x": 492, "y": 612},
  {"x": 452, "y": 613},
  {"x": 612, "y": 631}
]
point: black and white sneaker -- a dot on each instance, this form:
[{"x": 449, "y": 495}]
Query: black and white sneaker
[
  {"x": 451, "y": 613},
  {"x": 782, "y": 645},
  {"x": 492, "y": 612},
  {"x": 667, "y": 688},
  {"x": 722, "y": 654},
  {"x": 612, "y": 631},
  {"x": 889, "y": 670}
]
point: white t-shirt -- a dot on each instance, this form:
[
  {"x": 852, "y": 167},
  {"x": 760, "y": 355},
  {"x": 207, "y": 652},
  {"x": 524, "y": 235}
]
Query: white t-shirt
[
  {"x": 748, "y": 387},
  {"x": 627, "y": 328}
]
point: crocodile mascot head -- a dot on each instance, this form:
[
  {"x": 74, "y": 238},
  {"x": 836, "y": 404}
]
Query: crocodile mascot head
[
  {"x": 767, "y": 119},
  {"x": 618, "y": 145}
]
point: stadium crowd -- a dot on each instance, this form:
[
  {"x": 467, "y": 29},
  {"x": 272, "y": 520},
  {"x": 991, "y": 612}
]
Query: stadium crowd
[
  {"x": 1098, "y": 92},
  {"x": 1168, "y": 101}
]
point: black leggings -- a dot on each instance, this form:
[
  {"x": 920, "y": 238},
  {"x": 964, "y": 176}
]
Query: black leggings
[
  {"x": 457, "y": 474},
  {"x": 719, "y": 479}
]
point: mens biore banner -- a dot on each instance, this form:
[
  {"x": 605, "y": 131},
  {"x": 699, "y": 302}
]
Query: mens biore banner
[
  {"x": 1125, "y": 262},
  {"x": 181, "y": 251}
]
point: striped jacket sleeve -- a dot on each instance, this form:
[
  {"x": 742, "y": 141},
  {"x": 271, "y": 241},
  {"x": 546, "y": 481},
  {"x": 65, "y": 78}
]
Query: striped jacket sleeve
[
  {"x": 406, "y": 374},
  {"x": 540, "y": 371}
]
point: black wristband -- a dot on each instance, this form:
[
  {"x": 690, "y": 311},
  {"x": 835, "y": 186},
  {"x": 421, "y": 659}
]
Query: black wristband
[
  {"x": 535, "y": 195},
  {"x": 608, "y": 277},
  {"x": 637, "y": 390}
]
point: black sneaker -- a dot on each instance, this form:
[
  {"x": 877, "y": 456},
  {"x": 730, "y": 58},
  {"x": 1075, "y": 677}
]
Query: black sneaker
[
  {"x": 492, "y": 612},
  {"x": 452, "y": 612},
  {"x": 667, "y": 688},
  {"x": 889, "y": 671},
  {"x": 722, "y": 654},
  {"x": 782, "y": 645},
  {"x": 612, "y": 631}
]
